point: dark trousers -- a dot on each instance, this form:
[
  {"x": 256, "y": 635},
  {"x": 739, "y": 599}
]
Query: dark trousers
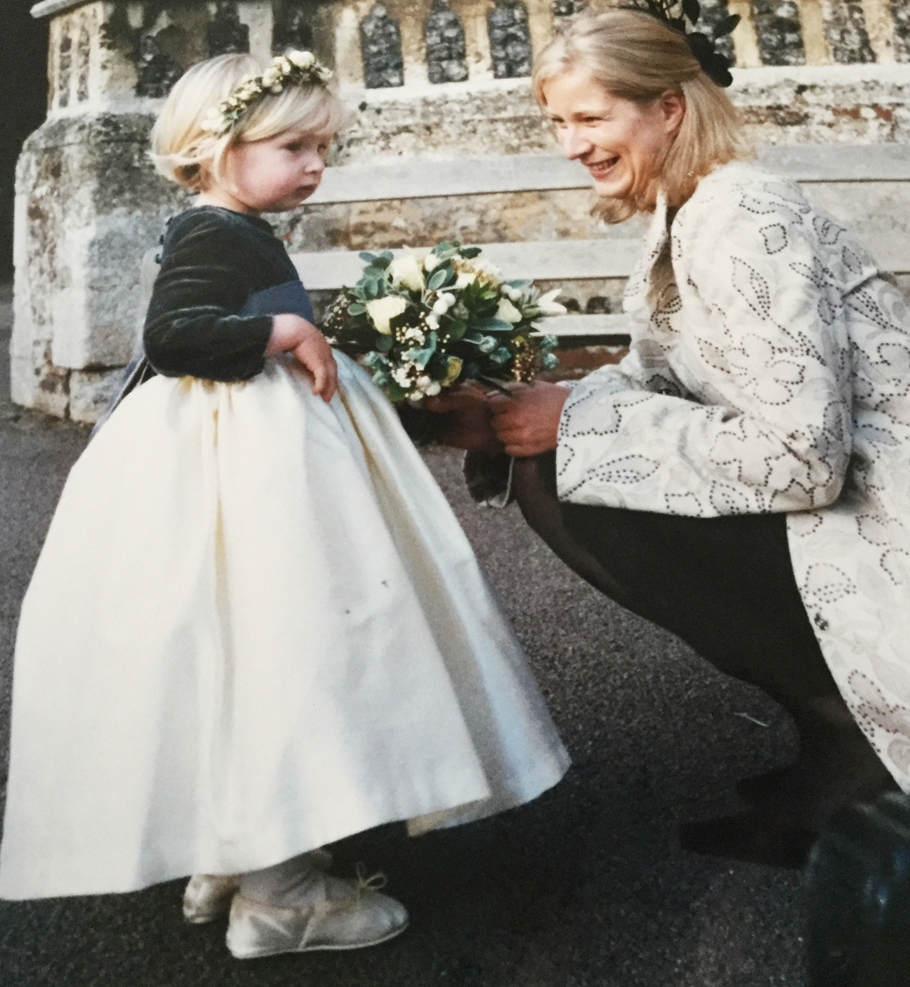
[{"x": 724, "y": 585}]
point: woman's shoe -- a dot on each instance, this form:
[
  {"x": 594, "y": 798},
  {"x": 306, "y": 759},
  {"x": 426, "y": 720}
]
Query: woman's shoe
[
  {"x": 759, "y": 788},
  {"x": 751, "y": 837},
  {"x": 208, "y": 896},
  {"x": 338, "y": 914}
]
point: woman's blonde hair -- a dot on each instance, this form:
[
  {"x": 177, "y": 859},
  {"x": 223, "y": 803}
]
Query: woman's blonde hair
[
  {"x": 636, "y": 57},
  {"x": 186, "y": 153}
]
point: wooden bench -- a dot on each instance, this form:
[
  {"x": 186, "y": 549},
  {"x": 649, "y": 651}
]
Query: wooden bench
[{"x": 613, "y": 255}]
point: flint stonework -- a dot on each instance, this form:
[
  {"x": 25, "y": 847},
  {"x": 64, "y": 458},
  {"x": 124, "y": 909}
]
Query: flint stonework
[
  {"x": 779, "y": 33},
  {"x": 380, "y": 44},
  {"x": 845, "y": 29},
  {"x": 293, "y": 30},
  {"x": 510, "y": 39},
  {"x": 226, "y": 35},
  {"x": 444, "y": 37},
  {"x": 900, "y": 11}
]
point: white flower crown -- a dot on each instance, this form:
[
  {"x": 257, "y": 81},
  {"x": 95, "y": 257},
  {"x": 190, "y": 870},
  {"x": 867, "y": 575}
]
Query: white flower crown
[{"x": 296, "y": 68}]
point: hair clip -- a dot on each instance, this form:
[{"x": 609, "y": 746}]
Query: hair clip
[{"x": 715, "y": 65}]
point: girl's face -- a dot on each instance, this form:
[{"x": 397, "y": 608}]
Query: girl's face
[
  {"x": 621, "y": 143},
  {"x": 274, "y": 174}
]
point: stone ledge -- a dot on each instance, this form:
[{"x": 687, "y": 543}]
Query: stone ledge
[{"x": 47, "y": 8}]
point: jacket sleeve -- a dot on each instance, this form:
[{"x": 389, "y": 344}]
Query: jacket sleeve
[
  {"x": 192, "y": 326},
  {"x": 759, "y": 340}
]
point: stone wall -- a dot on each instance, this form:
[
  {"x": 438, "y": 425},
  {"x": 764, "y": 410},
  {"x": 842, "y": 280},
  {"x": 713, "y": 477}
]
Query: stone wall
[{"x": 425, "y": 79}]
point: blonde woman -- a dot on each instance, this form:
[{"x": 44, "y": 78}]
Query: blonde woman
[{"x": 741, "y": 477}]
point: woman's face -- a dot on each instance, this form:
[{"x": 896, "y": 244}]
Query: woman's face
[{"x": 621, "y": 143}]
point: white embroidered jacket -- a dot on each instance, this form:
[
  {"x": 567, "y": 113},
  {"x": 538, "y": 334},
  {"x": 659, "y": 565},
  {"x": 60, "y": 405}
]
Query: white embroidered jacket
[{"x": 769, "y": 370}]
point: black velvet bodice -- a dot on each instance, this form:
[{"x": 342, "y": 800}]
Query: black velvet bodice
[{"x": 212, "y": 261}]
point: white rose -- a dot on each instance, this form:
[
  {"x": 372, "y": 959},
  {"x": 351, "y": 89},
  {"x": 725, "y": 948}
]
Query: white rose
[
  {"x": 507, "y": 311},
  {"x": 383, "y": 310},
  {"x": 548, "y": 306},
  {"x": 302, "y": 59},
  {"x": 406, "y": 270},
  {"x": 465, "y": 278},
  {"x": 431, "y": 262}
]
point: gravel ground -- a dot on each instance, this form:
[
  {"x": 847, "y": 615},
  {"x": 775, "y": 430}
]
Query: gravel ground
[{"x": 586, "y": 887}]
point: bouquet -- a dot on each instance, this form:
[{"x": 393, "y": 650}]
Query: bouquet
[{"x": 421, "y": 324}]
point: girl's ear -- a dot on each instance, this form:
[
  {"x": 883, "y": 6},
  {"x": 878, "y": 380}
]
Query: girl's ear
[{"x": 673, "y": 108}]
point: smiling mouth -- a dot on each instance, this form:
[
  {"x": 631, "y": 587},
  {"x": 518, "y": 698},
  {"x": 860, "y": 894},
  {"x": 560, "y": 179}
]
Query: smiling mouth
[{"x": 600, "y": 169}]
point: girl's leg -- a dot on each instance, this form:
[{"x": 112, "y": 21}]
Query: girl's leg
[
  {"x": 726, "y": 587},
  {"x": 295, "y": 907},
  {"x": 208, "y": 896}
]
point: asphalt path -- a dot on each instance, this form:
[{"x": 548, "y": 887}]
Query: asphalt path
[{"x": 586, "y": 887}]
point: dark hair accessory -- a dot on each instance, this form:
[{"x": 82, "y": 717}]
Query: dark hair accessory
[{"x": 715, "y": 65}]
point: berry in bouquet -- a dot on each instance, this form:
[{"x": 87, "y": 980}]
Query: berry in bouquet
[{"x": 421, "y": 324}]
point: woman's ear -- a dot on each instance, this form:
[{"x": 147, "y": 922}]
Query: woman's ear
[{"x": 673, "y": 108}]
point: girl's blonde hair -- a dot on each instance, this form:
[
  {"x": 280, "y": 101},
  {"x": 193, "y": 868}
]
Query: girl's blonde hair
[
  {"x": 186, "y": 153},
  {"x": 636, "y": 57}
]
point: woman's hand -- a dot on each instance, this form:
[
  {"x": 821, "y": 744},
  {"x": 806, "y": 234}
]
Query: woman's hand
[
  {"x": 527, "y": 423},
  {"x": 469, "y": 419},
  {"x": 291, "y": 333}
]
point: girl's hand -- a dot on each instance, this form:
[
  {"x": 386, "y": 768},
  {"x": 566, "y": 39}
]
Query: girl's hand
[
  {"x": 291, "y": 333},
  {"x": 468, "y": 419},
  {"x": 527, "y": 423}
]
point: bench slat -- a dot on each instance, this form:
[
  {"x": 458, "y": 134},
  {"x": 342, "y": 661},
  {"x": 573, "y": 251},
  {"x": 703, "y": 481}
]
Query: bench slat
[
  {"x": 424, "y": 176},
  {"x": 556, "y": 260}
]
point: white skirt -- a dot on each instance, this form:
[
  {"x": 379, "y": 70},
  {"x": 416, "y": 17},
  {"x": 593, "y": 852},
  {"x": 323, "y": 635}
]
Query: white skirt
[{"x": 255, "y": 627}]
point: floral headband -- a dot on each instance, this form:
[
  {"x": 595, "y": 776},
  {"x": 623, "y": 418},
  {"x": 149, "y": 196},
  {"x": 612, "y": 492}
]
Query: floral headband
[
  {"x": 715, "y": 65},
  {"x": 296, "y": 68}
]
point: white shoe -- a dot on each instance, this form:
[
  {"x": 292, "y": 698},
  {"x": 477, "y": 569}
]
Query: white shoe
[
  {"x": 340, "y": 914},
  {"x": 208, "y": 896}
]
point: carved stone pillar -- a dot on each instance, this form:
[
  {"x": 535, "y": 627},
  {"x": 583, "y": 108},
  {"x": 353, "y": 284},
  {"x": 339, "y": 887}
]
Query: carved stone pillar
[{"x": 88, "y": 202}]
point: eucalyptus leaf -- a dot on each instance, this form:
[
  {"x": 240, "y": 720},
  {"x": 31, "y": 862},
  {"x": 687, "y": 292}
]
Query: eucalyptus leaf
[
  {"x": 492, "y": 324},
  {"x": 469, "y": 252},
  {"x": 367, "y": 256},
  {"x": 385, "y": 343},
  {"x": 371, "y": 288},
  {"x": 356, "y": 308},
  {"x": 438, "y": 278}
]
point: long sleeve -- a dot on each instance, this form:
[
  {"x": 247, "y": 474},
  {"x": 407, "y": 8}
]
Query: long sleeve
[
  {"x": 211, "y": 263},
  {"x": 737, "y": 396}
]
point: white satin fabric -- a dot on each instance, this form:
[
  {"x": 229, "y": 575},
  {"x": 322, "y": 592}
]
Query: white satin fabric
[{"x": 255, "y": 627}]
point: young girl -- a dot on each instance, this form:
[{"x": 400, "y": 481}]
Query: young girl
[{"x": 255, "y": 627}]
